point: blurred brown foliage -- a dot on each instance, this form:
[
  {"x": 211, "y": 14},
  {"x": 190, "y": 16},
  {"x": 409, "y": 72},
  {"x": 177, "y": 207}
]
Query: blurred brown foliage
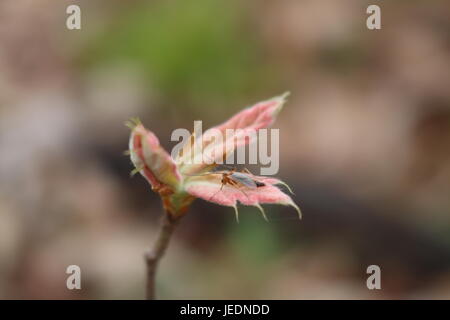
[{"x": 365, "y": 142}]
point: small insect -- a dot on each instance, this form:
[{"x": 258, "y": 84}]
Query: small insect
[
  {"x": 237, "y": 180},
  {"x": 243, "y": 178}
]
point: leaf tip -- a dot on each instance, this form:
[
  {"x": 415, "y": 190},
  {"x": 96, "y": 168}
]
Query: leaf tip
[
  {"x": 133, "y": 123},
  {"x": 261, "y": 209},
  {"x": 285, "y": 95},
  {"x": 298, "y": 210},
  {"x": 236, "y": 212}
]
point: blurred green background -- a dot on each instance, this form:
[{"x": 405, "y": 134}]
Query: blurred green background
[{"x": 365, "y": 140}]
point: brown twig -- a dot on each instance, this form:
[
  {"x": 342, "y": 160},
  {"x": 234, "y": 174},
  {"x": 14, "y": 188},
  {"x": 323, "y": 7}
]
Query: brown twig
[{"x": 152, "y": 257}]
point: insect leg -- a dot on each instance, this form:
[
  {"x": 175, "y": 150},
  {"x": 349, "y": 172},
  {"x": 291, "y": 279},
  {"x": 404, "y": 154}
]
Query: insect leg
[
  {"x": 245, "y": 170},
  {"x": 221, "y": 187},
  {"x": 202, "y": 174}
]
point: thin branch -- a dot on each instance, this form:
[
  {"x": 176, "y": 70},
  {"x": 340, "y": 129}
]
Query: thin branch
[{"x": 152, "y": 257}]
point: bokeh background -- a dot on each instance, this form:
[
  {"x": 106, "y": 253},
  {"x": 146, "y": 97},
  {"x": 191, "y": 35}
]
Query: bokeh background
[{"x": 365, "y": 144}]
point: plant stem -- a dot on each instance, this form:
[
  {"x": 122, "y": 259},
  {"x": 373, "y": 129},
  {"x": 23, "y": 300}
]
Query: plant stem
[{"x": 154, "y": 255}]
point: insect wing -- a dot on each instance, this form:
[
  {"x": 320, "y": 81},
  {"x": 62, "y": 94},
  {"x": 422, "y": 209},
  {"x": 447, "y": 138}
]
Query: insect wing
[{"x": 244, "y": 179}]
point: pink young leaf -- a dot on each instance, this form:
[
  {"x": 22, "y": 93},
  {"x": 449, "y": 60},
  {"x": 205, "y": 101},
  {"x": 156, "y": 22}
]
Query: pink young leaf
[
  {"x": 151, "y": 160},
  {"x": 210, "y": 188},
  {"x": 245, "y": 124}
]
